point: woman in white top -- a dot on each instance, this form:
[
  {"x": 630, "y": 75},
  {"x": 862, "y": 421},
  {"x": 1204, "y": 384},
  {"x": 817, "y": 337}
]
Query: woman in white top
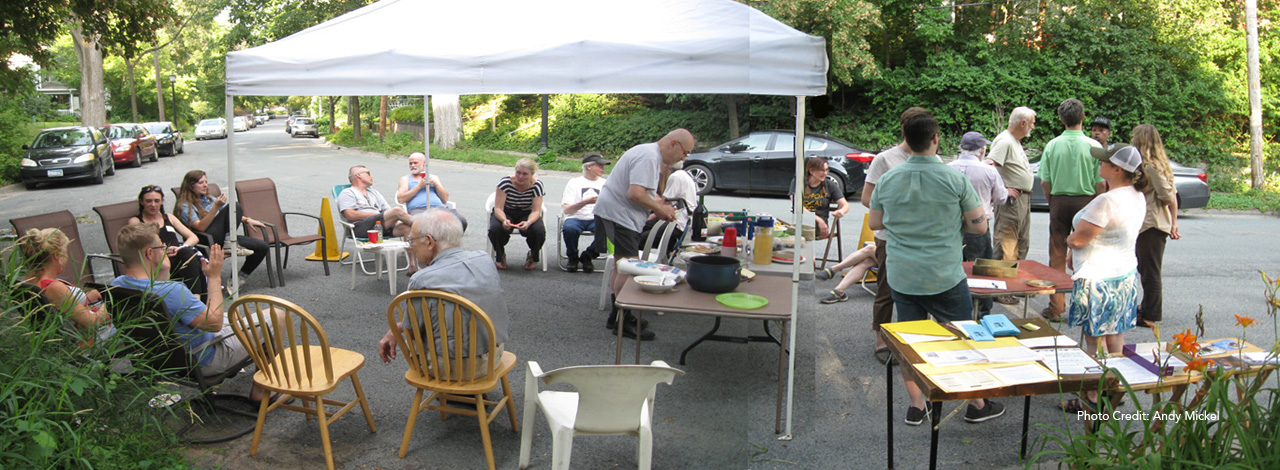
[{"x": 1104, "y": 297}]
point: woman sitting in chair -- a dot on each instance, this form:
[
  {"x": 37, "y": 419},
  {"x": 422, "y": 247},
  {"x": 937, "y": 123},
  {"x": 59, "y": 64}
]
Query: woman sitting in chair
[
  {"x": 44, "y": 252},
  {"x": 517, "y": 204},
  {"x": 820, "y": 192},
  {"x": 199, "y": 211},
  {"x": 184, "y": 259}
]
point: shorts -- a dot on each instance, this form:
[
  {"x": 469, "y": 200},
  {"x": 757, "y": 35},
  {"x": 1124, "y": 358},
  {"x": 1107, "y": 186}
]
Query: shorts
[
  {"x": 626, "y": 242},
  {"x": 950, "y": 305},
  {"x": 363, "y": 226}
]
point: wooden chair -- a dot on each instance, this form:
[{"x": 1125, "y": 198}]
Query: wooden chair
[
  {"x": 609, "y": 400},
  {"x": 261, "y": 202},
  {"x": 296, "y": 360},
  {"x": 435, "y": 319},
  {"x": 79, "y": 270}
]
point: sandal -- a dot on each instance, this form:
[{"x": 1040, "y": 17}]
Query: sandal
[
  {"x": 530, "y": 264},
  {"x": 1077, "y": 405},
  {"x": 1048, "y": 314},
  {"x": 501, "y": 263},
  {"x": 824, "y": 274},
  {"x": 885, "y": 357}
]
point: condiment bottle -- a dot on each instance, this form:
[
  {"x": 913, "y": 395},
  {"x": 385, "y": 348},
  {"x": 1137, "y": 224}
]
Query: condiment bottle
[
  {"x": 763, "y": 252},
  {"x": 729, "y": 245}
]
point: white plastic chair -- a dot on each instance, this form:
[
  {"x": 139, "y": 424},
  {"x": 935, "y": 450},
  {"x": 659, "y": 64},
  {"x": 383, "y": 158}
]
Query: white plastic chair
[
  {"x": 349, "y": 234},
  {"x": 657, "y": 255},
  {"x": 562, "y": 258},
  {"x": 488, "y": 244},
  {"x": 610, "y": 400}
]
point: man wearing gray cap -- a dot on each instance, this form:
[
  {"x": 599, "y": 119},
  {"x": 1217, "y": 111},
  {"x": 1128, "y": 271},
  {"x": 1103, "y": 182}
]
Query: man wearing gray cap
[
  {"x": 991, "y": 190},
  {"x": 1100, "y": 130},
  {"x": 578, "y": 203}
]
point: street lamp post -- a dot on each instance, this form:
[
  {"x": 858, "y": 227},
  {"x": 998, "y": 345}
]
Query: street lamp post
[{"x": 173, "y": 91}]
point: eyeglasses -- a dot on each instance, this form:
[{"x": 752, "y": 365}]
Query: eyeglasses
[
  {"x": 682, "y": 149},
  {"x": 411, "y": 239},
  {"x": 161, "y": 247}
]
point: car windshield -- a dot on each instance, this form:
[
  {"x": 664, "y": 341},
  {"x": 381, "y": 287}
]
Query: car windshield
[
  {"x": 156, "y": 128},
  {"x": 62, "y": 138},
  {"x": 210, "y": 122},
  {"x": 115, "y": 132}
]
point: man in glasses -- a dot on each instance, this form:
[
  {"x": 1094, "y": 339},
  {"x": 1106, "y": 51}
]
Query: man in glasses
[
  {"x": 365, "y": 207},
  {"x": 627, "y": 199},
  {"x": 435, "y": 242}
]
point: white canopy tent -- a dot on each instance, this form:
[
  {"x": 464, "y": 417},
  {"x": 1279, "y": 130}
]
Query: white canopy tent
[{"x": 424, "y": 47}]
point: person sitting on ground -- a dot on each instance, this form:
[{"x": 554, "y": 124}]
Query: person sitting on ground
[
  {"x": 185, "y": 260},
  {"x": 44, "y": 253},
  {"x": 196, "y": 323},
  {"x": 435, "y": 242},
  {"x": 820, "y": 192},
  {"x": 364, "y": 206},
  {"x": 198, "y": 211},
  {"x": 860, "y": 261},
  {"x": 517, "y": 204},
  {"x": 419, "y": 191},
  {"x": 578, "y": 204}
]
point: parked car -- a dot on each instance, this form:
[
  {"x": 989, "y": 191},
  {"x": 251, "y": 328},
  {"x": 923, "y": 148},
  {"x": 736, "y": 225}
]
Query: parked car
[
  {"x": 764, "y": 161},
  {"x": 288, "y": 123},
  {"x": 215, "y": 128},
  {"x": 167, "y": 137},
  {"x": 1192, "y": 185},
  {"x": 249, "y": 120},
  {"x": 304, "y": 126},
  {"x": 67, "y": 153},
  {"x": 239, "y": 124},
  {"x": 262, "y": 118},
  {"x": 130, "y": 143}
]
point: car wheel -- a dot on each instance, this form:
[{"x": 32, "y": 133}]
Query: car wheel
[
  {"x": 137, "y": 158},
  {"x": 182, "y": 146},
  {"x": 702, "y": 178},
  {"x": 111, "y": 167},
  {"x": 97, "y": 176},
  {"x": 155, "y": 154},
  {"x": 31, "y": 185}
]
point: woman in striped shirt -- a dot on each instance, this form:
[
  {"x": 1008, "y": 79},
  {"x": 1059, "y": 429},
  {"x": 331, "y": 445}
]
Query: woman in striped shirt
[{"x": 517, "y": 204}]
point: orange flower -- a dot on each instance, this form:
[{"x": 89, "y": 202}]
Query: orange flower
[
  {"x": 1187, "y": 342},
  {"x": 1243, "y": 321},
  {"x": 1197, "y": 365}
]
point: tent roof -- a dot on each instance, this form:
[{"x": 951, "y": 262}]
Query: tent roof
[{"x": 424, "y": 47}]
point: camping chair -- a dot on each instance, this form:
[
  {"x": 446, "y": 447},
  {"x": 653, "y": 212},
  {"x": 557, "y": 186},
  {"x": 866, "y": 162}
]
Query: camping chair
[
  {"x": 833, "y": 236},
  {"x": 349, "y": 235},
  {"x": 296, "y": 360},
  {"x": 436, "y": 318},
  {"x": 144, "y": 320},
  {"x": 488, "y": 245},
  {"x": 866, "y": 235},
  {"x": 261, "y": 202},
  {"x": 206, "y": 240},
  {"x": 116, "y": 216},
  {"x": 79, "y": 269},
  {"x": 609, "y": 400}
]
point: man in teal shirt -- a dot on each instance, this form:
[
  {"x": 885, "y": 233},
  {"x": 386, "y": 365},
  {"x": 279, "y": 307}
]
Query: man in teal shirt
[
  {"x": 922, "y": 205},
  {"x": 1069, "y": 178}
]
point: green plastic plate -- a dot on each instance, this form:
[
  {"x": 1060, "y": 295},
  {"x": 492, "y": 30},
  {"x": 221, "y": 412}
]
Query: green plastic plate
[{"x": 742, "y": 301}]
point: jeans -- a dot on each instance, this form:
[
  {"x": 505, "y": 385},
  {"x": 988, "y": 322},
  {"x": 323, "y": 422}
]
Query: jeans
[
  {"x": 573, "y": 229},
  {"x": 979, "y": 246}
]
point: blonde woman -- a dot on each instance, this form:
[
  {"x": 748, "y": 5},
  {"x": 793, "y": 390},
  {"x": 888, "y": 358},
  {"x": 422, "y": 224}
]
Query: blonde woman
[
  {"x": 1160, "y": 224},
  {"x": 45, "y": 254},
  {"x": 517, "y": 204}
]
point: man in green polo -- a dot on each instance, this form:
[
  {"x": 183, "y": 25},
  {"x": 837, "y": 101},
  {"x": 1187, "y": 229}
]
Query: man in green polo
[{"x": 1069, "y": 178}]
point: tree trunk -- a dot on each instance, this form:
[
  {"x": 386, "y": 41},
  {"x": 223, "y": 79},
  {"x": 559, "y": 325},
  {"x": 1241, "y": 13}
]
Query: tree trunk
[
  {"x": 160, "y": 90},
  {"x": 133, "y": 93},
  {"x": 331, "y": 102},
  {"x": 731, "y": 101},
  {"x": 1255, "y": 95},
  {"x": 382, "y": 119},
  {"x": 448, "y": 123},
  {"x": 93, "y": 103},
  {"x": 353, "y": 116}
]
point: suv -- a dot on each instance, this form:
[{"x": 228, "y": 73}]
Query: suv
[
  {"x": 304, "y": 126},
  {"x": 67, "y": 153}
]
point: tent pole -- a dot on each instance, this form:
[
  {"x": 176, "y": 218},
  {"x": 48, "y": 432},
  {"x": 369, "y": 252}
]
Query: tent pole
[
  {"x": 232, "y": 197},
  {"x": 426, "y": 132},
  {"x": 797, "y": 213}
]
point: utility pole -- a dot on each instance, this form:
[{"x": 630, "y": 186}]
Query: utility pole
[{"x": 1255, "y": 94}]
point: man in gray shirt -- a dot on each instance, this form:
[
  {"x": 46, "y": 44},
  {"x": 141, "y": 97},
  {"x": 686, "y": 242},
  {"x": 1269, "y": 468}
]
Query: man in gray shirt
[
  {"x": 434, "y": 241},
  {"x": 364, "y": 206}
]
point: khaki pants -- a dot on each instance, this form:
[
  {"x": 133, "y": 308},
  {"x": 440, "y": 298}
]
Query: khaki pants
[
  {"x": 1061, "y": 210},
  {"x": 1012, "y": 231}
]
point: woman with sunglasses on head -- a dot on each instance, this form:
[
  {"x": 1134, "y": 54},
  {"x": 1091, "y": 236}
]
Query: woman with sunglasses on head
[
  {"x": 205, "y": 213},
  {"x": 44, "y": 254},
  {"x": 186, "y": 262}
]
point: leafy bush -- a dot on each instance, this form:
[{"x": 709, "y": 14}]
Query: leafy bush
[
  {"x": 14, "y": 125},
  {"x": 407, "y": 114}
]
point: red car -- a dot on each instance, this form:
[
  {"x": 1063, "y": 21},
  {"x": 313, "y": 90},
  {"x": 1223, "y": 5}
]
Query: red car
[{"x": 130, "y": 143}]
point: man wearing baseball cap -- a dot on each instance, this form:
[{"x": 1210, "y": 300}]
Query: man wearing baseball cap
[
  {"x": 991, "y": 191},
  {"x": 578, "y": 203},
  {"x": 1100, "y": 130}
]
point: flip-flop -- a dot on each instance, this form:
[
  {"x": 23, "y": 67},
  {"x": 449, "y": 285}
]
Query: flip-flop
[
  {"x": 884, "y": 356},
  {"x": 1076, "y": 405}
]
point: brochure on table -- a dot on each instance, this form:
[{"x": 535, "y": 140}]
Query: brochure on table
[{"x": 957, "y": 365}]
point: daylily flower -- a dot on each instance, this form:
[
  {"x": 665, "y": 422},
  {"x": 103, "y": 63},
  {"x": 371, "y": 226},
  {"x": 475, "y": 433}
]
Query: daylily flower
[
  {"x": 1187, "y": 342},
  {"x": 1243, "y": 321},
  {"x": 1197, "y": 364}
]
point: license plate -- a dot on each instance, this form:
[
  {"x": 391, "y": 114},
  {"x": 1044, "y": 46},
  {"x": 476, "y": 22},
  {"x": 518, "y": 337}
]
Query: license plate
[{"x": 55, "y": 173}]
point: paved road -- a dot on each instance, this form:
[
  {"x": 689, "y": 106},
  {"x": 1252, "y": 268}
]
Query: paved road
[{"x": 717, "y": 416}]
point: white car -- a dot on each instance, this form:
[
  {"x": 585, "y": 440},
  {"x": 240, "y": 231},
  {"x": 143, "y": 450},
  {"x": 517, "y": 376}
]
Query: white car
[
  {"x": 211, "y": 129},
  {"x": 304, "y": 126},
  {"x": 240, "y": 124}
]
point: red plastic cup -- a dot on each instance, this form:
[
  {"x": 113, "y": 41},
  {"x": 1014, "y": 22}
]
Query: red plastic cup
[{"x": 374, "y": 236}]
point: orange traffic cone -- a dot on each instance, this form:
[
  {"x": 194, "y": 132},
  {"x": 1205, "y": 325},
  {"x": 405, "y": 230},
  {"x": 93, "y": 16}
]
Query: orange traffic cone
[{"x": 330, "y": 237}]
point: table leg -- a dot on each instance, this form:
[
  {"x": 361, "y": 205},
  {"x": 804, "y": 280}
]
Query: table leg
[
  {"x": 391, "y": 270},
  {"x": 935, "y": 416},
  {"x": 1026, "y": 416},
  {"x": 354, "y": 262},
  {"x": 888, "y": 407},
  {"x": 777, "y": 418},
  {"x": 639, "y": 317},
  {"x": 617, "y": 359},
  {"x": 708, "y": 335}
]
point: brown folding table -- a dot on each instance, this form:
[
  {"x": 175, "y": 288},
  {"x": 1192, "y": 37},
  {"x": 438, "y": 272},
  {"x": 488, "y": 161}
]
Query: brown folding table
[{"x": 1027, "y": 270}]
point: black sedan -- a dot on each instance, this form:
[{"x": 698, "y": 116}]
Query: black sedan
[
  {"x": 67, "y": 153},
  {"x": 1192, "y": 185},
  {"x": 168, "y": 139},
  {"x": 764, "y": 162}
]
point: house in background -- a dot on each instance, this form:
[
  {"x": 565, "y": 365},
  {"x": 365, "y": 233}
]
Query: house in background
[{"x": 66, "y": 100}]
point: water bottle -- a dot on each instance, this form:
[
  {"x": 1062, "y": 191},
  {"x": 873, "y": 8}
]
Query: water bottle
[{"x": 377, "y": 227}]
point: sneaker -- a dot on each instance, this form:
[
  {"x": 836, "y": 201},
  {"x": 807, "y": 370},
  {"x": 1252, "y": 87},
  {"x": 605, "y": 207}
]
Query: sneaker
[
  {"x": 834, "y": 296},
  {"x": 629, "y": 331},
  {"x": 573, "y": 265},
  {"x": 587, "y": 267},
  {"x": 824, "y": 274},
  {"x": 915, "y": 416},
  {"x": 975, "y": 415}
]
